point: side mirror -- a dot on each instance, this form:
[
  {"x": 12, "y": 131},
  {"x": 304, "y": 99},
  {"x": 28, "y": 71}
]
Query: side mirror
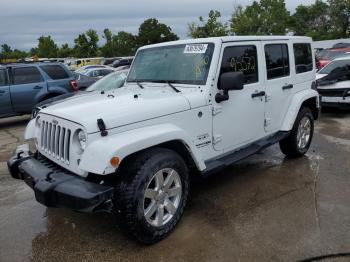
[{"x": 229, "y": 81}]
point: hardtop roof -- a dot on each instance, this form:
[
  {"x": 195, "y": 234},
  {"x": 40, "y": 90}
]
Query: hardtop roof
[{"x": 226, "y": 39}]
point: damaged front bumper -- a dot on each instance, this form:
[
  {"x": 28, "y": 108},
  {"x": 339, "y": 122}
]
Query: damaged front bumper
[{"x": 56, "y": 187}]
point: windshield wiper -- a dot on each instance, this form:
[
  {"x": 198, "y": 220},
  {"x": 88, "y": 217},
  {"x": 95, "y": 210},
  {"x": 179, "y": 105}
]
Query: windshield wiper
[
  {"x": 138, "y": 83},
  {"x": 173, "y": 87}
]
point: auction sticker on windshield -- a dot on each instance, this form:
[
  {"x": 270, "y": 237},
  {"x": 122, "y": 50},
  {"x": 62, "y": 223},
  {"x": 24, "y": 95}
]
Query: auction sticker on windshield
[{"x": 196, "y": 49}]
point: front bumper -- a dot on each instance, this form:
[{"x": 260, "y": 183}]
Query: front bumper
[
  {"x": 338, "y": 102},
  {"x": 56, "y": 187}
]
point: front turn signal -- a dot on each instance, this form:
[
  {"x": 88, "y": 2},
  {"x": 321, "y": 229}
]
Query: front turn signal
[{"x": 115, "y": 161}]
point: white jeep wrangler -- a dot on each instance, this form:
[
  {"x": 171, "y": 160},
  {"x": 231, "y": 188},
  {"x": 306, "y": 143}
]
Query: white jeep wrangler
[{"x": 188, "y": 107}]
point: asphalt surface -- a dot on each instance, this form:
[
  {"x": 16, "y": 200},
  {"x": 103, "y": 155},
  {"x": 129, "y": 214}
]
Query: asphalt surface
[{"x": 266, "y": 208}]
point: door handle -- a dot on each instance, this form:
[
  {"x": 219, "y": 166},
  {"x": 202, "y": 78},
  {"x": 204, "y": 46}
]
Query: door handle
[
  {"x": 258, "y": 94},
  {"x": 2, "y": 91},
  {"x": 37, "y": 87},
  {"x": 285, "y": 87}
]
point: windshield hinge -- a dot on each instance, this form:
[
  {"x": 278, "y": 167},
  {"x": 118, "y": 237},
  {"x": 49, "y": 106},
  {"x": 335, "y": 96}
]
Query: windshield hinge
[
  {"x": 217, "y": 139},
  {"x": 217, "y": 110}
]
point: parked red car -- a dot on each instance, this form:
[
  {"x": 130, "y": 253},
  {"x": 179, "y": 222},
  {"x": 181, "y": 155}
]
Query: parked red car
[{"x": 325, "y": 56}]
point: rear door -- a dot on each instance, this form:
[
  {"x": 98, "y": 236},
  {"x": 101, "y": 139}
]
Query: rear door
[
  {"x": 279, "y": 83},
  {"x": 27, "y": 83},
  {"x": 5, "y": 97}
]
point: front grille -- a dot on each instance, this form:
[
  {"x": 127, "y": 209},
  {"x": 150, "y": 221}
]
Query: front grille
[
  {"x": 55, "y": 140},
  {"x": 333, "y": 92}
]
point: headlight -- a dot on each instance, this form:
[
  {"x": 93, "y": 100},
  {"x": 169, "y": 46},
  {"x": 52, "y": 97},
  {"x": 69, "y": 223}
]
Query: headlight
[
  {"x": 82, "y": 139},
  {"x": 35, "y": 112}
]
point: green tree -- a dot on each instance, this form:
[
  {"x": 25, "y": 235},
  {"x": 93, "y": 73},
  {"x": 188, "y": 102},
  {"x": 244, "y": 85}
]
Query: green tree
[
  {"x": 208, "y": 28},
  {"x": 108, "y": 49},
  {"x": 339, "y": 11},
  {"x": 86, "y": 44},
  {"x": 125, "y": 44},
  {"x": 6, "y": 51},
  {"x": 153, "y": 32},
  {"x": 47, "y": 47},
  {"x": 313, "y": 20},
  {"x": 267, "y": 17},
  {"x": 65, "y": 51}
]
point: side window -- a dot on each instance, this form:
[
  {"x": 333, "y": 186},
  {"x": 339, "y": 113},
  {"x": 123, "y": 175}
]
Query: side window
[
  {"x": 55, "y": 72},
  {"x": 26, "y": 75},
  {"x": 3, "y": 77},
  {"x": 241, "y": 59},
  {"x": 277, "y": 60},
  {"x": 303, "y": 58}
]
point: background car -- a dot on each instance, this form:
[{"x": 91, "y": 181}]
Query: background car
[
  {"x": 22, "y": 86},
  {"x": 110, "y": 60},
  {"x": 127, "y": 61},
  {"x": 83, "y": 68},
  {"x": 112, "y": 81},
  {"x": 338, "y": 62},
  {"x": 334, "y": 88},
  {"x": 83, "y": 81},
  {"x": 325, "y": 56},
  {"x": 97, "y": 73}
]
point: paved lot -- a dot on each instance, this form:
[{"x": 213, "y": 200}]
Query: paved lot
[{"x": 266, "y": 208}]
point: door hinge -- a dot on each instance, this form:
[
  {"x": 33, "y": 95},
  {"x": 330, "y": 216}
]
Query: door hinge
[
  {"x": 217, "y": 139},
  {"x": 217, "y": 110},
  {"x": 267, "y": 98},
  {"x": 267, "y": 122}
]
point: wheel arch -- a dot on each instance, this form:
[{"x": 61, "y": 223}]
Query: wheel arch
[
  {"x": 307, "y": 98},
  {"x": 96, "y": 157},
  {"x": 176, "y": 145}
]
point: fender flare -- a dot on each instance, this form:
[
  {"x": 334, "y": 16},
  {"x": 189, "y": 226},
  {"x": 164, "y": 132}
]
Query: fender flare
[
  {"x": 295, "y": 105},
  {"x": 96, "y": 157}
]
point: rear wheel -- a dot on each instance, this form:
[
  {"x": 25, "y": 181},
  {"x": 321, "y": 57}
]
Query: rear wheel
[
  {"x": 300, "y": 137},
  {"x": 152, "y": 194}
]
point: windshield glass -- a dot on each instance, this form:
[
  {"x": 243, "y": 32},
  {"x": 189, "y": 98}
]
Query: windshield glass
[
  {"x": 109, "y": 82},
  {"x": 183, "y": 64},
  {"x": 330, "y": 67}
]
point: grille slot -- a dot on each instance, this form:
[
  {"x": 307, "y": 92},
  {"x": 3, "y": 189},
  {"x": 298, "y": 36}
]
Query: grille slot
[{"x": 55, "y": 141}]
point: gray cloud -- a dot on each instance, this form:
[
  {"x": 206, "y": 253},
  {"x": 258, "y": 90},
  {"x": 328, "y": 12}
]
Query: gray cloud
[{"x": 23, "y": 21}]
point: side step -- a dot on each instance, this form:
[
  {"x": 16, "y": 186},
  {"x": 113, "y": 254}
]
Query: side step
[{"x": 230, "y": 158}]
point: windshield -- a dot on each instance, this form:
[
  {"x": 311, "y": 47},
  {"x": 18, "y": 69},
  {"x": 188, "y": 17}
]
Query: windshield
[
  {"x": 330, "y": 67},
  {"x": 109, "y": 82},
  {"x": 183, "y": 64}
]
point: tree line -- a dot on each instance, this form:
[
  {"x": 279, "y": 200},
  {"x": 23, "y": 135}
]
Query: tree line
[
  {"x": 322, "y": 20},
  {"x": 151, "y": 31}
]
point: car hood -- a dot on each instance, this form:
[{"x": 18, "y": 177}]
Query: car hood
[
  {"x": 319, "y": 76},
  {"x": 119, "y": 107}
]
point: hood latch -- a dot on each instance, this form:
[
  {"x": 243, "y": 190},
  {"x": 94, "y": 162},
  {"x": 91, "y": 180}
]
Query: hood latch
[{"x": 101, "y": 125}]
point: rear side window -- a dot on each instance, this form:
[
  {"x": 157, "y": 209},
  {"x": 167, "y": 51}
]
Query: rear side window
[
  {"x": 241, "y": 59},
  {"x": 277, "y": 60},
  {"x": 55, "y": 72},
  {"x": 26, "y": 75},
  {"x": 303, "y": 58},
  {"x": 3, "y": 77}
]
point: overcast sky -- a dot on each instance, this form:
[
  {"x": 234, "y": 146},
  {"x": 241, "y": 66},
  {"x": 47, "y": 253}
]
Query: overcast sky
[{"x": 23, "y": 21}]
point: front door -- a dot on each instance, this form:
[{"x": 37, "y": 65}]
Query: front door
[
  {"x": 240, "y": 120},
  {"x": 27, "y": 82},
  {"x": 5, "y": 97}
]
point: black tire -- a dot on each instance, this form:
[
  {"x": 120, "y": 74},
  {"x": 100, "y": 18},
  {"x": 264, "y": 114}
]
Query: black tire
[
  {"x": 135, "y": 175},
  {"x": 289, "y": 145}
]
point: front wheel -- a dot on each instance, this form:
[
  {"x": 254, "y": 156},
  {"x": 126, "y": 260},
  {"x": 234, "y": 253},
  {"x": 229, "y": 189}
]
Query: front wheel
[
  {"x": 300, "y": 137},
  {"x": 152, "y": 194}
]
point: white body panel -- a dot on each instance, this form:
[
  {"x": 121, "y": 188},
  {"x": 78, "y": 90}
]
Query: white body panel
[
  {"x": 138, "y": 118},
  {"x": 241, "y": 118}
]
